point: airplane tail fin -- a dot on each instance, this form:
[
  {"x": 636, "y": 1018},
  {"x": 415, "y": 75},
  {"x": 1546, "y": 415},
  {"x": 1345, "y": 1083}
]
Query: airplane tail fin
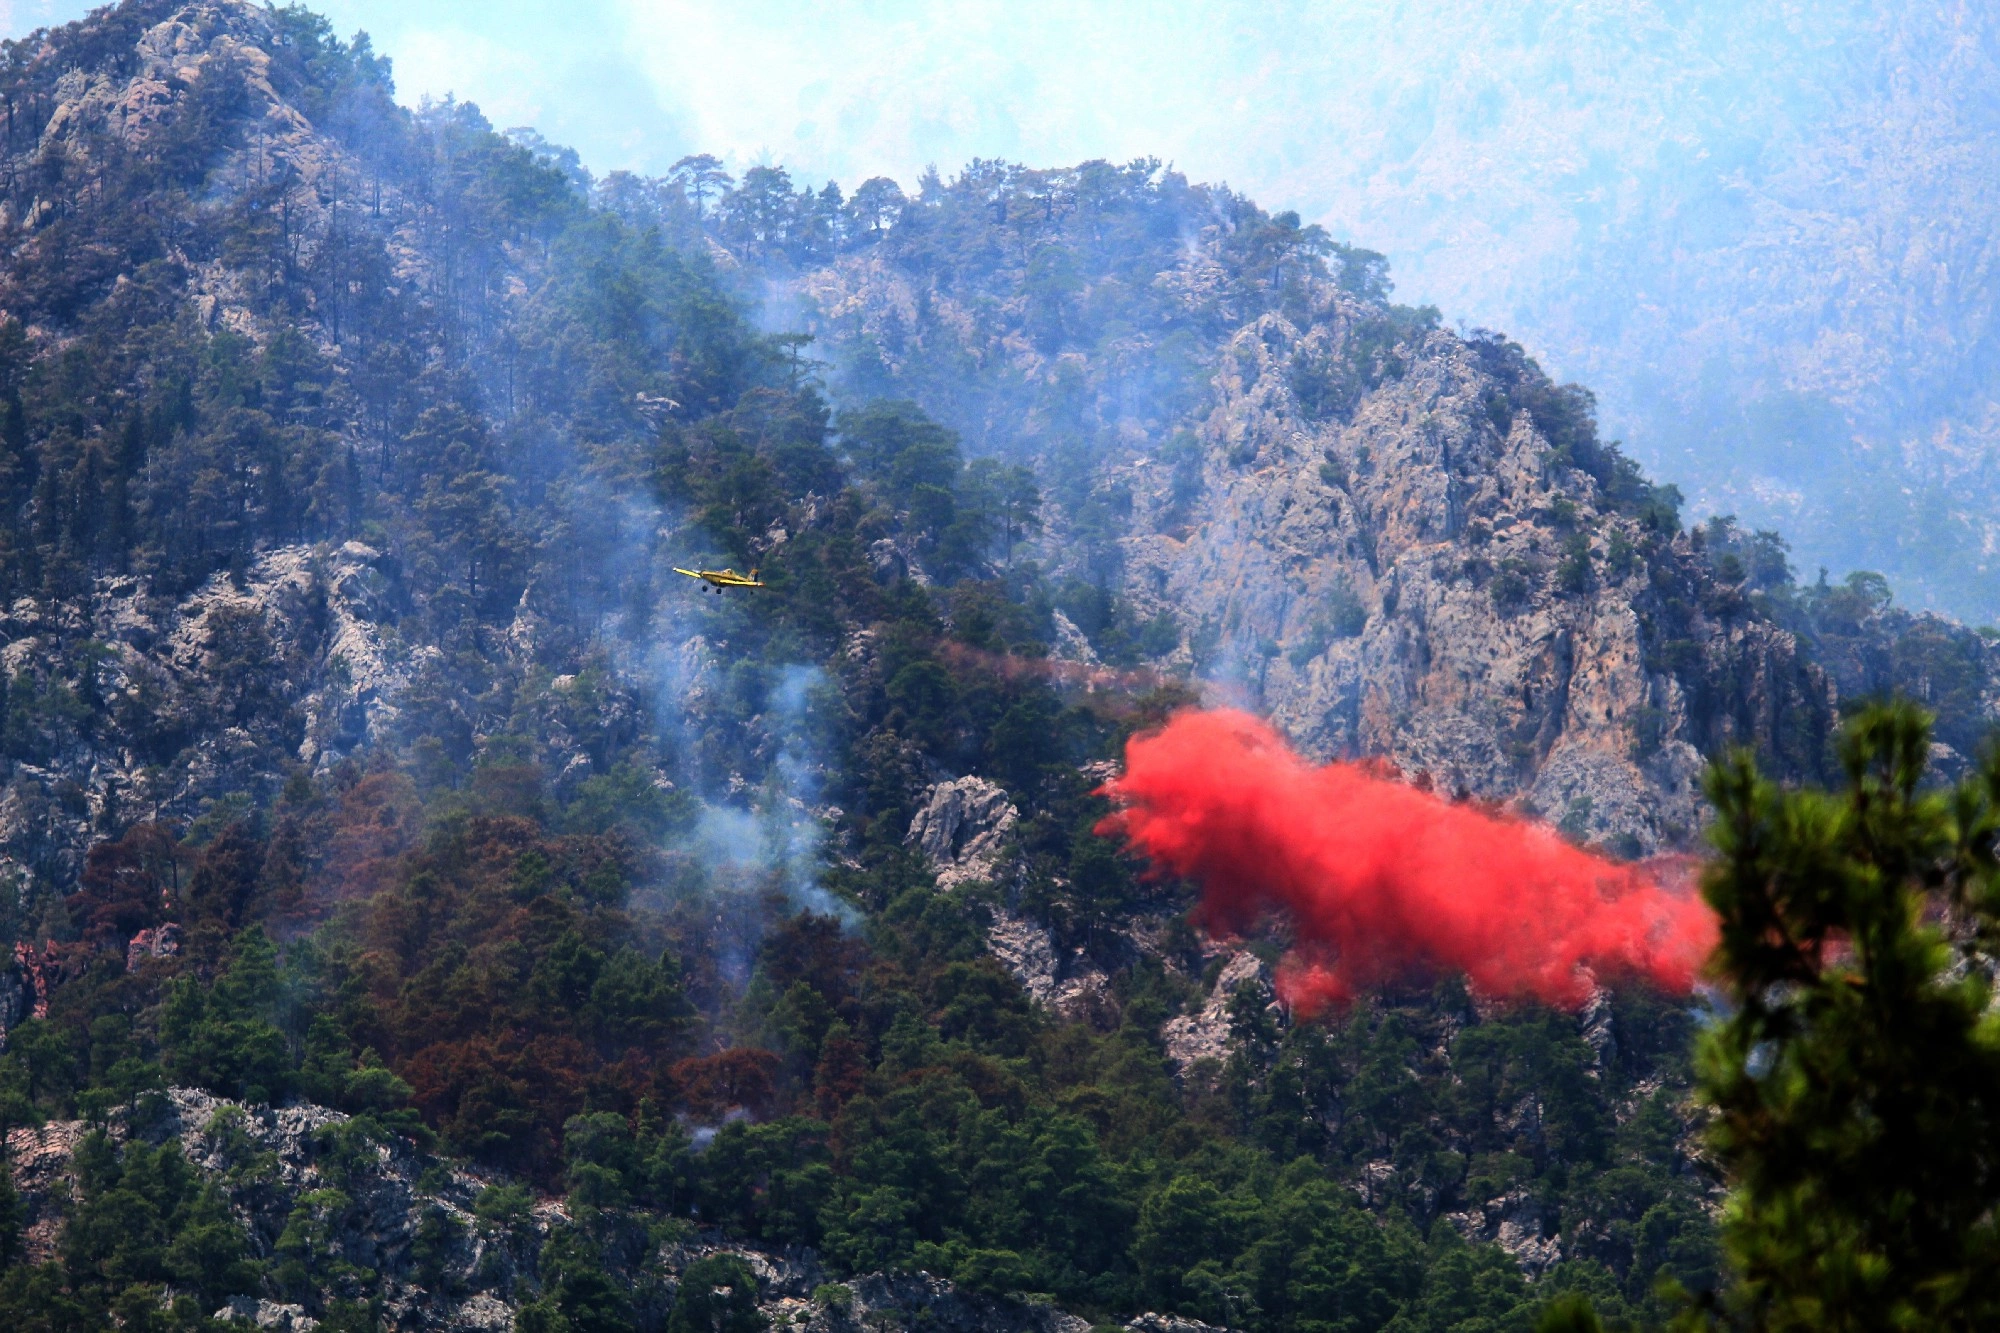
[{"x": 753, "y": 573}]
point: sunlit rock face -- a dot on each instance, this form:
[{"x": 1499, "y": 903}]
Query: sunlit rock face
[
  {"x": 962, "y": 830},
  {"x": 1399, "y": 542},
  {"x": 1422, "y": 580}
]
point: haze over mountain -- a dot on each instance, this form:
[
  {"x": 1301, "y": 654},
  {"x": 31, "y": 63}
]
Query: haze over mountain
[
  {"x": 429, "y": 909},
  {"x": 1763, "y": 234}
]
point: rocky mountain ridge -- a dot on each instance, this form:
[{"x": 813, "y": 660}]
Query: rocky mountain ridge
[
  {"x": 1406, "y": 543},
  {"x": 1421, "y": 582}
]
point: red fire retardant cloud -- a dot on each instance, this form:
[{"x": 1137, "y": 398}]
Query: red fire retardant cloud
[{"x": 1382, "y": 880}]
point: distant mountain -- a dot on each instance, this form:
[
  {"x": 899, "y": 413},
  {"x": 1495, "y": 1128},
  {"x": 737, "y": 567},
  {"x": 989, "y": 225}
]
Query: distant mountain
[{"x": 1765, "y": 233}]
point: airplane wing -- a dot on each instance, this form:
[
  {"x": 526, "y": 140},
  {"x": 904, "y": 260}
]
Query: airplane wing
[{"x": 721, "y": 578}]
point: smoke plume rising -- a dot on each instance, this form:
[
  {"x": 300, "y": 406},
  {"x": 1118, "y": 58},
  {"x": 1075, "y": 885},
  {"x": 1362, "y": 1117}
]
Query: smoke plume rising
[{"x": 1381, "y": 880}]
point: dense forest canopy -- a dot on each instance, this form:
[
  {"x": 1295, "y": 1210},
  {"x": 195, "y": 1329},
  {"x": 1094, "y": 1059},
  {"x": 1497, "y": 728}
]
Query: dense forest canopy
[{"x": 364, "y": 752}]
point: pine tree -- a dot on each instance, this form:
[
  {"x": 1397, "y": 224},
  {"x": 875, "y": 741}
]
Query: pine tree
[{"x": 1856, "y": 1079}]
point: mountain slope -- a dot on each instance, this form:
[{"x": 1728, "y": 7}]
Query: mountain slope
[
  {"x": 1400, "y": 541},
  {"x": 365, "y": 753}
]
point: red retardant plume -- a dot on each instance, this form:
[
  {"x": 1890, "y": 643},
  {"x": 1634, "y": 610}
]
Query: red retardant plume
[{"x": 1381, "y": 880}]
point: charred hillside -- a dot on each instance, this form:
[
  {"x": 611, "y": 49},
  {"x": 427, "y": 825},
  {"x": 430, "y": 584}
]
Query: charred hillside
[{"x": 429, "y": 910}]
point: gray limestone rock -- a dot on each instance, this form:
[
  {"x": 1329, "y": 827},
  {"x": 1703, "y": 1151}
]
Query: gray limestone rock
[
  {"x": 1168, "y": 1323},
  {"x": 932, "y": 1302},
  {"x": 1205, "y": 1033},
  {"x": 290, "y": 662},
  {"x": 268, "y": 1314},
  {"x": 1068, "y": 982},
  {"x": 1393, "y": 583},
  {"x": 1518, "y": 1223},
  {"x": 962, "y": 830}
]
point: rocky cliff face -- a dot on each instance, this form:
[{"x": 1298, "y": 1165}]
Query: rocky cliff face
[
  {"x": 1423, "y": 580},
  {"x": 292, "y": 662},
  {"x": 1398, "y": 542},
  {"x": 139, "y": 707}
]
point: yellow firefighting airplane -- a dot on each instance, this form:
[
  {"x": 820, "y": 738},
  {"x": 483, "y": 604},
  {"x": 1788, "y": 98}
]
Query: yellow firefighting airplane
[{"x": 722, "y": 578}]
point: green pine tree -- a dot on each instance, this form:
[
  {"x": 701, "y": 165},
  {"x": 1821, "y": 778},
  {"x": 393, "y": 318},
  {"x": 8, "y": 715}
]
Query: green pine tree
[
  {"x": 1856, "y": 1080},
  {"x": 717, "y": 1294}
]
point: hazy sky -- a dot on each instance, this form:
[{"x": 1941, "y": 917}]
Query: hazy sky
[
  {"x": 847, "y": 89},
  {"x": 1502, "y": 153},
  {"x": 840, "y": 88},
  {"x": 1488, "y": 147},
  {"x": 1424, "y": 128}
]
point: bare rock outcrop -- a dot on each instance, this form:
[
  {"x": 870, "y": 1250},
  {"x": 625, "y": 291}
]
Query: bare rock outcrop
[
  {"x": 962, "y": 830},
  {"x": 1424, "y": 577},
  {"x": 262, "y": 1312},
  {"x": 1518, "y": 1223},
  {"x": 1066, "y": 981},
  {"x": 1205, "y": 1034},
  {"x": 932, "y": 1302},
  {"x": 1169, "y": 1323}
]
